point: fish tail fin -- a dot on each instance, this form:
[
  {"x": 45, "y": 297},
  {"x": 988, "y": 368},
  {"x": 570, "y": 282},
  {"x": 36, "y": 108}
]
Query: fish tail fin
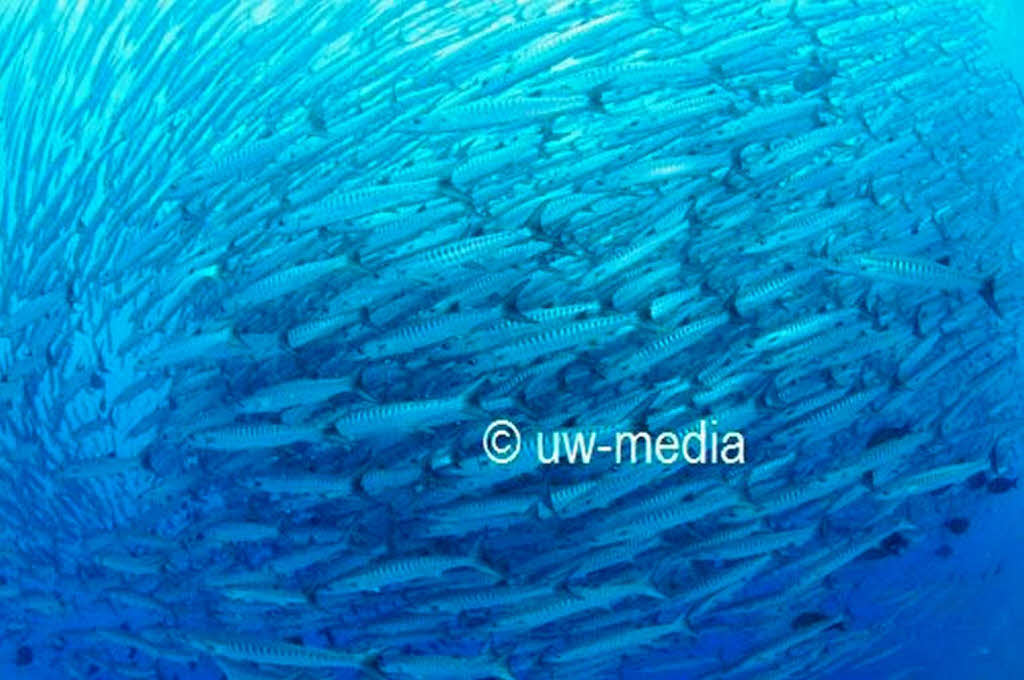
[
  {"x": 827, "y": 249},
  {"x": 555, "y": 240},
  {"x": 367, "y": 320},
  {"x": 359, "y": 387},
  {"x": 791, "y": 11},
  {"x": 370, "y": 666},
  {"x": 870, "y": 192},
  {"x": 447, "y": 189},
  {"x": 792, "y": 15},
  {"x": 285, "y": 346},
  {"x": 733, "y": 308},
  {"x": 352, "y": 259},
  {"x": 648, "y": 15},
  {"x": 595, "y": 99},
  {"x": 481, "y": 559},
  {"x": 652, "y": 589},
  {"x": 683, "y": 621},
  {"x": 505, "y": 665},
  {"x": 993, "y": 459},
  {"x": 236, "y": 341},
  {"x": 327, "y": 424},
  {"x": 862, "y": 118},
  {"x": 906, "y": 522},
  {"x": 534, "y": 514},
  {"x": 472, "y": 395},
  {"x": 824, "y": 529},
  {"x": 737, "y": 165},
  {"x": 545, "y": 657},
  {"x": 920, "y": 316},
  {"x": 546, "y": 501},
  {"x": 687, "y": 620},
  {"x": 988, "y": 294},
  {"x": 519, "y": 399},
  {"x": 510, "y": 304},
  {"x": 316, "y": 118}
]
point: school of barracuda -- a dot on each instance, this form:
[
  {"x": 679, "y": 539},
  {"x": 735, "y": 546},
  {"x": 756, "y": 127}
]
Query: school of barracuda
[{"x": 270, "y": 270}]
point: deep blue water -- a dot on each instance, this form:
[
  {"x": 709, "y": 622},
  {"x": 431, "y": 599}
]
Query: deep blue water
[{"x": 299, "y": 301}]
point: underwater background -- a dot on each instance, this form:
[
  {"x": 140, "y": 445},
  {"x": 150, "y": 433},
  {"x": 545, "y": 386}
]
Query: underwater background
[{"x": 414, "y": 339}]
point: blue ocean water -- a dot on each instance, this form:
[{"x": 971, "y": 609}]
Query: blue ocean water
[{"x": 413, "y": 339}]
